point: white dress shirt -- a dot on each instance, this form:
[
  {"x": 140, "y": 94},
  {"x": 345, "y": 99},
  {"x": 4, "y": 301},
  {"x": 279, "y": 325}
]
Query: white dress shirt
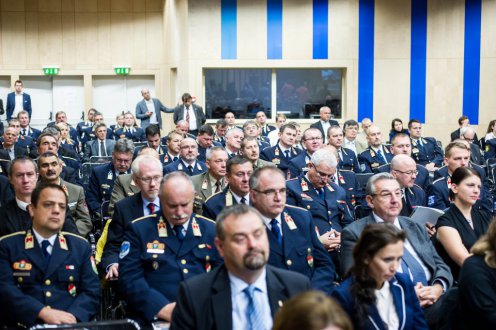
[
  {"x": 151, "y": 108},
  {"x": 192, "y": 118},
  {"x": 385, "y": 306}
]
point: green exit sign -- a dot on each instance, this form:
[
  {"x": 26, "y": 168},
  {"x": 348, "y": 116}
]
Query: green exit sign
[
  {"x": 50, "y": 71},
  {"x": 122, "y": 70}
]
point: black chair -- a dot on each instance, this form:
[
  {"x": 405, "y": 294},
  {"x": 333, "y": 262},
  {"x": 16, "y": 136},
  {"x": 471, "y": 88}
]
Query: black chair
[
  {"x": 100, "y": 159},
  {"x": 126, "y": 324},
  {"x": 362, "y": 179},
  {"x": 361, "y": 211}
]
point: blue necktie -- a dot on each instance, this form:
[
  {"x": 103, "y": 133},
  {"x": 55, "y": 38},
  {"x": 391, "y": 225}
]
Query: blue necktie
[
  {"x": 190, "y": 169},
  {"x": 276, "y": 231},
  {"x": 380, "y": 157},
  {"x": 178, "y": 229},
  {"x": 287, "y": 154},
  {"x": 253, "y": 311},
  {"x": 44, "y": 248},
  {"x": 408, "y": 262},
  {"x": 421, "y": 147},
  {"x": 321, "y": 193}
]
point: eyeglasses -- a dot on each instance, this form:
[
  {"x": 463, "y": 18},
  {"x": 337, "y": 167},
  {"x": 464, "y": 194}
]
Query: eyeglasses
[
  {"x": 272, "y": 192},
  {"x": 410, "y": 173},
  {"x": 148, "y": 180},
  {"x": 388, "y": 194},
  {"x": 314, "y": 138}
]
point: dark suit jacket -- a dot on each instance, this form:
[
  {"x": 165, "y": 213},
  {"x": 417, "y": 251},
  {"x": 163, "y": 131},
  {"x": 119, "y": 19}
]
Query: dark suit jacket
[
  {"x": 26, "y": 104},
  {"x": 405, "y": 302},
  {"x": 204, "y": 302},
  {"x": 6, "y": 190},
  {"x": 200, "y": 116},
  {"x": 318, "y": 125},
  {"x": 93, "y": 149},
  {"x": 416, "y": 234},
  {"x": 125, "y": 211},
  {"x": 142, "y": 109}
]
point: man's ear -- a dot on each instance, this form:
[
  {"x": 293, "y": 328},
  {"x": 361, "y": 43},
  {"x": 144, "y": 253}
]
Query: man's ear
[
  {"x": 370, "y": 201},
  {"x": 30, "y": 210}
]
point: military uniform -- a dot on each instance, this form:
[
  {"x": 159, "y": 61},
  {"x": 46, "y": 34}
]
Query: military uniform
[
  {"x": 100, "y": 186},
  {"x": 422, "y": 179},
  {"x": 369, "y": 160},
  {"x": 413, "y": 197},
  {"x": 266, "y": 129},
  {"x": 33, "y": 133},
  {"x": 202, "y": 152},
  {"x": 215, "y": 203},
  {"x": 136, "y": 134},
  {"x": 301, "y": 251},
  {"x": 354, "y": 194},
  {"x": 203, "y": 189},
  {"x": 348, "y": 160},
  {"x": 220, "y": 139},
  {"x": 299, "y": 164},
  {"x": 162, "y": 150},
  {"x": 67, "y": 282},
  {"x": 82, "y": 125},
  {"x": 153, "y": 261},
  {"x": 490, "y": 149},
  {"x": 276, "y": 156},
  {"x": 427, "y": 152},
  {"x": 328, "y": 213},
  {"x": 77, "y": 206},
  {"x": 198, "y": 167}
]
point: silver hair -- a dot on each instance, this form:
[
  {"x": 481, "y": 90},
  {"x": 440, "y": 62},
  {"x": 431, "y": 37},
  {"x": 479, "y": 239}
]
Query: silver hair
[
  {"x": 210, "y": 151},
  {"x": 370, "y": 189},
  {"x": 124, "y": 145},
  {"x": 135, "y": 166},
  {"x": 233, "y": 130},
  {"x": 324, "y": 156}
]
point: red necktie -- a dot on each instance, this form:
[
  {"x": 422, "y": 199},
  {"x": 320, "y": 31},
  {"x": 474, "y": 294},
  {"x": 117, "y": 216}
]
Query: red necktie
[{"x": 151, "y": 207}]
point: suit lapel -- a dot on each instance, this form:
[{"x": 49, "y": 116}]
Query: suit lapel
[
  {"x": 274, "y": 245},
  {"x": 171, "y": 240},
  {"x": 276, "y": 292},
  {"x": 399, "y": 302},
  {"x": 57, "y": 258},
  {"x": 221, "y": 300},
  {"x": 189, "y": 240},
  {"x": 35, "y": 255}
]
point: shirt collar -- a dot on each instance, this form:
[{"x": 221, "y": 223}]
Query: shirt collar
[
  {"x": 238, "y": 285},
  {"x": 378, "y": 219},
  {"x": 22, "y": 205},
  {"x": 40, "y": 238}
]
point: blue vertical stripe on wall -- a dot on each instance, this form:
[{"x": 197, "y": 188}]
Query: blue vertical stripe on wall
[
  {"x": 320, "y": 29},
  {"x": 366, "y": 59},
  {"x": 418, "y": 59},
  {"x": 274, "y": 29},
  {"x": 228, "y": 14},
  {"x": 471, "y": 63}
]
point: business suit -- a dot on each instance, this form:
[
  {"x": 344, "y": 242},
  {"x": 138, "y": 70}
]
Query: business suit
[
  {"x": 18, "y": 152},
  {"x": 67, "y": 282},
  {"x": 405, "y": 300},
  {"x": 14, "y": 219},
  {"x": 125, "y": 211},
  {"x": 301, "y": 250},
  {"x": 318, "y": 125},
  {"x": 6, "y": 190},
  {"x": 204, "y": 302},
  {"x": 369, "y": 160},
  {"x": 100, "y": 186},
  {"x": 414, "y": 196},
  {"x": 215, "y": 203},
  {"x": 142, "y": 109},
  {"x": 88, "y": 134},
  {"x": 124, "y": 186},
  {"x": 31, "y": 132},
  {"x": 153, "y": 263},
  {"x": 416, "y": 235},
  {"x": 77, "y": 206},
  {"x": 198, "y": 167},
  {"x": 428, "y": 152},
  {"x": 422, "y": 179},
  {"x": 93, "y": 149},
  {"x": 200, "y": 116},
  {"x": 26, "y": 104}
]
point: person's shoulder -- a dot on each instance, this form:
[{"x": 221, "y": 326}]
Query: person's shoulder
[
  {"x": 144, "y": 221},
  {"x": 79, "y": 240},
  {"x": 289, "y": 278},
  {"x": 11, "y": 237},
  {"x": 215, "y": 197},
  {"x": 204, "y": 220},
  {"x": 295, "y": 209}
]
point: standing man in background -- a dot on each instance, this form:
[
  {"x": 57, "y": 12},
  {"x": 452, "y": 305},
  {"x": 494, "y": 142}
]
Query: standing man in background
[
  {"x": 18, "y": 101},
  {"x": 190, "y": 112},
  {"x": 148, "y": 110}
]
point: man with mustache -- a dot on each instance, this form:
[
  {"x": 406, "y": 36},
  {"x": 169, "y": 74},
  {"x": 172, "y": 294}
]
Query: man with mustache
[
  {"x": 164, "y": 248},
  {"x": 244, "y": 293}
]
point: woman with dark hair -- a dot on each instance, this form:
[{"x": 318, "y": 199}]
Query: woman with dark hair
[
  {"x": 396, "y": 128},
  {"x": 478, "y": 302},
  {"x": 311, "y": 310},
  {"x": 491, "y": 130},
  {"x": 374, "y": 295},
  {"x": 462, "y": 225}
]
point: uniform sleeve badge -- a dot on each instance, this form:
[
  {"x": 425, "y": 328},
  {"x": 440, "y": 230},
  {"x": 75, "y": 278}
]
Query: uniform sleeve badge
[{"x": 125, "y": 248}]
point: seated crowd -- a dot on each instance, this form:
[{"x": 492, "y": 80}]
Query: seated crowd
[{"x": 222, "y": 227}]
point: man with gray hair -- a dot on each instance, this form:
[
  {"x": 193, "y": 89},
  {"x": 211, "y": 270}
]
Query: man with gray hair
[
  {"x": 233, "y": 141},
  {"x": 147, "y": 174},
  {"x": 326, "y": 200},
  {"x": 420, "y": 259},
  {"x": 325, "y": 121},
  {"x": 467, "y": 133},
  {"x": 163, "y": 249},
  {"x": 103, "y": 176},
  {"x": 222, "y": 298}
]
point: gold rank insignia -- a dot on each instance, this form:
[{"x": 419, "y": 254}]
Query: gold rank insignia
[
  {"x": 289, "y": 221},
  {"x": 196, "y": 228},
  {"x": 162, "y": 230},
  {"x": 205, "y": 184},
  {"x": 180, "y": 167},
  {"x": 229, "y": 198},
  {"x": 276, "y": 151},
  {"x": 329, "y": 187},
  {"x": 62, "y": 242},
  {"x": 22, "y": 265},
  {"x": 110, "y": 176},
  {"x": 28, "y": 241},
  {"x": 304, "y": 185},
  {"x": 155, "y": 247}
]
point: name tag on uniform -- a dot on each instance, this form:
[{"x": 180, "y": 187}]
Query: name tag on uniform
[{"x": 155, "y": 247}]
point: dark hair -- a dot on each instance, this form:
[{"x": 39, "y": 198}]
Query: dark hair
[
  {"x": 311, "y": 310},
  {"x": 35, "y": 195},
  {"x": 373, "y": 238},
  {"x": 486, "y": 245},
  {"x": 398, "y": 136},
  {"x": 236, "y": 160},
  {"x": 454, "y": 144},
  {"x": 236, "y": 210},
  {"x": 410, "y": 123},
  {"x": 350, "y": 122},
  {"x": 461, "y": 119},
  {"x": 152, "y": 130},
  {"x": 396, "y": 120},
  {"x": 206, "y": 129},
  {"x": 42, "y": 135},
  {"x": 17, "y": 82},
  {"x": 46, "y": 155},
  {"x": 459, "y": 175},
  {"x": 287, "y": 126},
  {"x": 186, "y": 97},
  {"x": 21, "y": 159},
  {"x": 490, "y": 126}
]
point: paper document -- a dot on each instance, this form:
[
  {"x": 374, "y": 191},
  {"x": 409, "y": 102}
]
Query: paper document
[{"x": 424, "y": 215}]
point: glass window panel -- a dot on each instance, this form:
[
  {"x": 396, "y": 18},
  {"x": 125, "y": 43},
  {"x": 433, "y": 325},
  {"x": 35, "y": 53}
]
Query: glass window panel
[
  {"x": 302, "y": 92},
  {"x": 242, "y": 91}
]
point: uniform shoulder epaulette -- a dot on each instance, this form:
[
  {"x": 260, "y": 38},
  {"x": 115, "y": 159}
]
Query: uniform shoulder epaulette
[
  {"x": 343, "y": 170},
  {"x": 292, "y": 179},
  {"x": 13, "y": 234},
  {"x": 72, "y": 234},
  {"x": 204, "y": 218},
  {"x": 426, "y": 167},
  {"x": 212, "y": 196},
  {"x": 144, "y": 217},
  {"x": 377, "y": 166},
  {"x": 296, "y": 207},
  {"x": 66, "y": 157},
  {"x": 416, "y": 185},
  {"x": 440, "y": 179}
]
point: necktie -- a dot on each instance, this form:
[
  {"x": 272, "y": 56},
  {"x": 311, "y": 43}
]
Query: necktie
[
  {"x": 45, "y": 244},
  {"x": 287, "y": 154},
  {"x": 421, "y": 147},
  {"x": 178, "y": 229},
  {"x": 408, "y": 262},
  {"x": 187, "y": 114},
  {"x": 190, "y": 169},
  {"x": 253, "y": 311},
  {"x": 380, "y": 157},
  {"x": 23, "y": 132},
  {"x": 276, "y": 231},
  {"x": 175, "y": 159},
  {"x": 406, "y": 209},
  {"x": 321, "y": 192},
  {"x": 151, "y": 207},
  {"x": 102, "y": 149},
  {"x": 217, "y": 187},
  {"x": 243, "y": 200}
]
